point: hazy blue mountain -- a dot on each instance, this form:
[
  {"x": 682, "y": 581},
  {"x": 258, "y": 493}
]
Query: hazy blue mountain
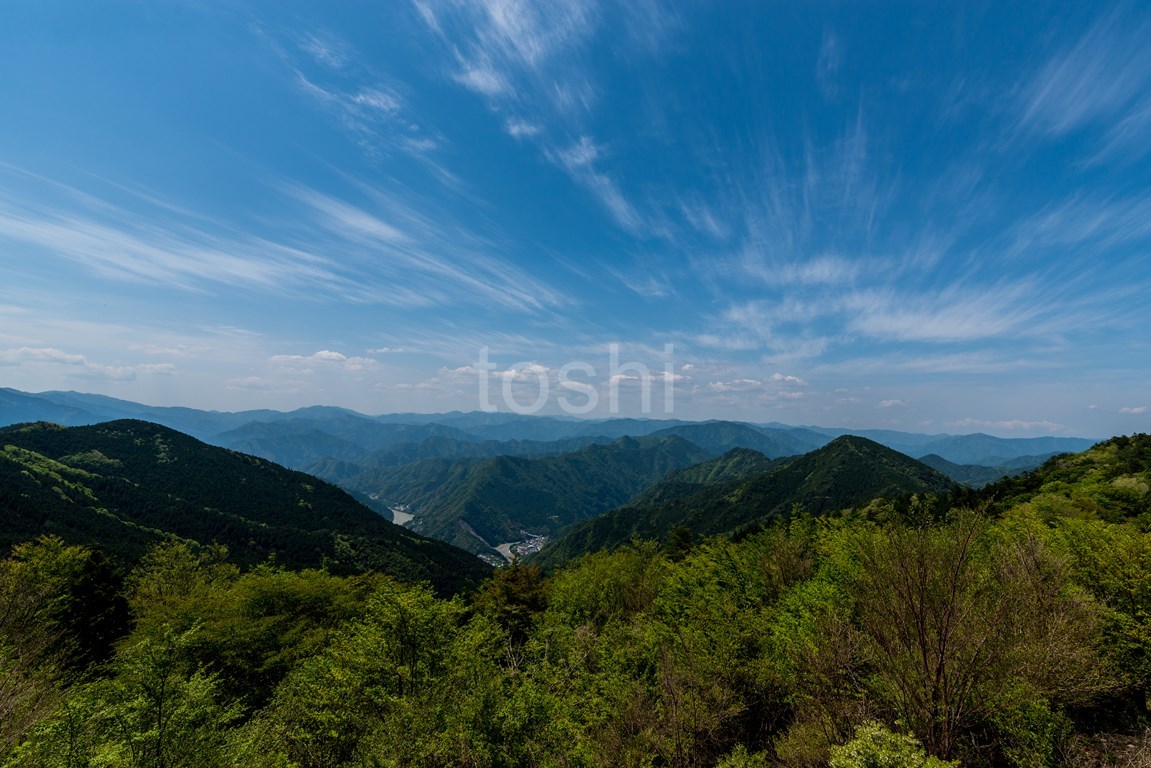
[
  {"x": 17, "y": 407},
  {"x": 551, "y": 428},
  {"x": 298, "y": 445},
  {"x": 984, "y": 449},
  {"x": 721, "y": 436},
  {"x": 378, "y": 433},
  {"x": 201, "y": 424},
  {"x": 302, "y": 441},
  {"x": 977, "y": 476},
  {"x": 125, "y": 485}
]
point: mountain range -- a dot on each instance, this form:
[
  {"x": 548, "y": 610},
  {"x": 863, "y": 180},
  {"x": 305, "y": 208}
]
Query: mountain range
[
  {"x": 302, "y": 437},
  {"x": 491, "y": 483},
  {"x": 740, "y": 490}
]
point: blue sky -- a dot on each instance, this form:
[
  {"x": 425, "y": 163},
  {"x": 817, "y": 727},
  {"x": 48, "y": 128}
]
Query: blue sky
[{"x": 924, "y": 216}]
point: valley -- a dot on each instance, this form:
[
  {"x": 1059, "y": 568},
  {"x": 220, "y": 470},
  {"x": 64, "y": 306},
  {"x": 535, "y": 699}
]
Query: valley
[{"x": 496, "y": 484}]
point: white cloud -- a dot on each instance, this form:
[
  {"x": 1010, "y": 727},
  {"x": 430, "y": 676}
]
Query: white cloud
[
  {"x": 785, "y": 379},
  {"x": 482, "y": 79},
  {"x": 325, "y": 358},
  {"x": 374, "y": 116},
  {"x": 579, "y": 155},
  {"x": 521, "y": 129},
  {"x": 1134, "y": 410},
  {"x": 735, "y": 385},
  {"x": 39, "y": 355},
  {"x": 79, "y": 365},
  {"x": 892, "y": 403},
  {"x": 376, "y": 99},
  {"x": 532, "y": 372},
  {"x": 327, "y": 49}
]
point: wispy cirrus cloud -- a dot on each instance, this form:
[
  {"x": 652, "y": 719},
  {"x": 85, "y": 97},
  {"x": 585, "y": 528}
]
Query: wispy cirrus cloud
[
  {"x": 374, "y": 116},
  {"x": 1102, "y": 82},
  {"x": 827, "y": 65},
  {"x": 115, "y": 242},
  {"x": 529, "y": 62},
  {"x": 327, "y": 48},
  {"x": 437, "y": 261},
  {"x": 390, "y": 251},
  {"x": 580, "y": 161},
  {"x": 1086, "y": 221},
  {"x": 955, "y": 314},
  {"x": 79, "y": 366},
  {"x": 501, "y": 46},
  {"x": 790, "y": 213},
  {"x": 369, "y": 105}
]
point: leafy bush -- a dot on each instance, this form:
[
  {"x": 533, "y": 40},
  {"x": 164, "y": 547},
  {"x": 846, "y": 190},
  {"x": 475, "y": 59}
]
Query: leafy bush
[{"x": 874, "y": 746}]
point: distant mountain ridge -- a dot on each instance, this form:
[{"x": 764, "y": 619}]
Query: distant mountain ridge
[
  {"x": 846, "y": 472},
  {"x": 977, "y": 476},
  {"x": 374, "y": 433}
]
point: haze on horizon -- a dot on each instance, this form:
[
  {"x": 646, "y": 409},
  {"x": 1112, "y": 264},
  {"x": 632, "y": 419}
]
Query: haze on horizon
[{"x": 925, "y": 218}]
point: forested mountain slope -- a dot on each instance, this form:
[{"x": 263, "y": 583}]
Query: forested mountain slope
[
  {"x": 844, "y": 473},
  {"x": 1111, "y": 480},
  {"x": 126, "y": 485}
]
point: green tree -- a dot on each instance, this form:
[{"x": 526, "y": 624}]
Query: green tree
[
  {"x": 514, "y": 596},
  {"x": 962, "y": 621},
  {"x": 151, "y": 712},
  {"x": 55, "y": 614}
]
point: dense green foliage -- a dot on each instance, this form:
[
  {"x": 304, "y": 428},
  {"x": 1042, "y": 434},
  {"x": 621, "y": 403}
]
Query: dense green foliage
[
  {"x": 737, "y": 492},
  {"x": 1014, "y": 634},
  {"x": 128, "y": 485}
]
